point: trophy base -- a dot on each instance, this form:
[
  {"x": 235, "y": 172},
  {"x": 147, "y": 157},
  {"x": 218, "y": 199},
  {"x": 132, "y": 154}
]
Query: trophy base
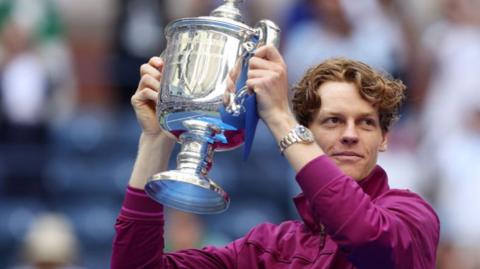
[{"x": 187, "y": 192}]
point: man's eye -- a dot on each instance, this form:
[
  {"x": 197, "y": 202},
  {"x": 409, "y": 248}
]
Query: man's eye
[
  {"x": 334, "y": 120},
  {"x": 331, "y": 120},
  {"x": 369, "y": 122}
]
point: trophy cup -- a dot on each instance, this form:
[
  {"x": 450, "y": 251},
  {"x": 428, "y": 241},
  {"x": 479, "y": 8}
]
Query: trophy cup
[{"x": 200, "y": 53}]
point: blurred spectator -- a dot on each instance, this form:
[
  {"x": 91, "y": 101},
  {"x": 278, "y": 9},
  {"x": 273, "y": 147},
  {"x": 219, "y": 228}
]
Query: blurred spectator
[
  {"x": 24, "y": 87},
  {"x": 267, "y": 9},
  {"x": 138, "y": 35},
  {"x": 23, "y": 95},
  {"x": 451, "y": 51},
  {"x": 445, "y": 78},
  {"x": 36, "y": 89},
  {"x": 446, "y": 95},
  {"x": 457, "y": 201},
  {"x": 362, "y": 30},
  {"x": 185, "y": 230},
  {"x": 50, "y": 244},
  {"x": 401, "y": 157},
  {"x": 37, "y": 82}
]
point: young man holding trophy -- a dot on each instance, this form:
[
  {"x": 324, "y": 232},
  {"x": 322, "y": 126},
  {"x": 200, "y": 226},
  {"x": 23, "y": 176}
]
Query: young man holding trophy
[
  {"x": 200, "y": 92},
  {"x": 342, "y": 111}
]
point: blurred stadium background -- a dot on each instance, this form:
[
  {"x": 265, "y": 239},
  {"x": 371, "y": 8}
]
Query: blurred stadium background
[{"x": 68, "y": 136}]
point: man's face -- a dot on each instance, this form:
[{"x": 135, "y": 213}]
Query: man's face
[{"x": 348, "y": 129}]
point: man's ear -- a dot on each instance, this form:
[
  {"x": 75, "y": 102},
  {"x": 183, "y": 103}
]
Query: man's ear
[{"x": 384, "y": 144}]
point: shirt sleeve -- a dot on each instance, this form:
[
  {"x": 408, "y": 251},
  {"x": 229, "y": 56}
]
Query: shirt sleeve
[
  {"x": 139, "y": 242},
  {"x": 396, "y": 230}
]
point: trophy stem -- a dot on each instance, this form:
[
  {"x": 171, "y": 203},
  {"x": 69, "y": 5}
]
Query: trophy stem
[
  {"x": 196, "y": 152},
  {"x": 188, "y": 188}
]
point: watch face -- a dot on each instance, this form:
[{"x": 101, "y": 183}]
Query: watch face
[{"x": 304, "y": 133}]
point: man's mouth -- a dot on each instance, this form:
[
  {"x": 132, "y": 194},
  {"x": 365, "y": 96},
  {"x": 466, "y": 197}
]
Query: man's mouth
[{"x": 347, "y": 156}]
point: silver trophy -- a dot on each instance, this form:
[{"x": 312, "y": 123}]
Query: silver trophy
[{"x": 200, "y": 53}]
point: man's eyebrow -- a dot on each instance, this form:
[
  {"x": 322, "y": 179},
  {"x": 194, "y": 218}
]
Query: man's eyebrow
[
  {"x": 336, "y": 113},
  {"x": 368, "y": 114},
  {"x": 332, "y": 113}
]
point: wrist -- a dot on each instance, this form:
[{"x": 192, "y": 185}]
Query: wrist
[
  {"x": 298, "y": 134},
  {"x": 148, "y": 139},
  {"x": 153, "y": 155},
  {"x": 280, "y": 124}
]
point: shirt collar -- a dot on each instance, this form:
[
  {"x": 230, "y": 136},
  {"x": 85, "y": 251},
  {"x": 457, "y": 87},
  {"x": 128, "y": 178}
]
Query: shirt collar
[{"x": 374, "y": 185}]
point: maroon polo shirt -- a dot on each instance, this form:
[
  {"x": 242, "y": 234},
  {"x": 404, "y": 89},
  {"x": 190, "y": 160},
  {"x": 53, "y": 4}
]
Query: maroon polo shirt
[{"x": 345, "y": 224}]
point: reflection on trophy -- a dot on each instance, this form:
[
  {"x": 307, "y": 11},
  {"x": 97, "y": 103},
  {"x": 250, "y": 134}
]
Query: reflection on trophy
[{"x": 200, "y": 53}]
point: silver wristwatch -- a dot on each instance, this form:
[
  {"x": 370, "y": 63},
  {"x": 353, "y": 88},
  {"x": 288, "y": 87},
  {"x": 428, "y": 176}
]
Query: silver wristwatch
[{"x": 299, "y": 134}]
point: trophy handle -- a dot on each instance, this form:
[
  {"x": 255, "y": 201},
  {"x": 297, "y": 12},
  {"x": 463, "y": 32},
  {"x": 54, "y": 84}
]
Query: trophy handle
[
  {"x": 236, "y": 100},
  {"x": 266, "y": 33}
]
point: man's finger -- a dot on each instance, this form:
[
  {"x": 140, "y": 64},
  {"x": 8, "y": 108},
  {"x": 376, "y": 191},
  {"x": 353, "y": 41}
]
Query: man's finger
[
  {"x": 147, "y": 69},
  {"x": 254, "y": 84},
  {"x": 156, "y": 62},
  {"x": 146, "y": 94},
  {"x": 147, "y": 81},
  {"x": 269, "y": 52},
  {"x": 260, "y": 63},
  {"x": 260, "y": 73}
]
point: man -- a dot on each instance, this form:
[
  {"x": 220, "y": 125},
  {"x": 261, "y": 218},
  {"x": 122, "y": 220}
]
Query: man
[{"x": 351, "y": 219}]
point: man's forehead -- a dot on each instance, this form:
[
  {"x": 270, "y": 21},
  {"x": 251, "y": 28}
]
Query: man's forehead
[
  {"x": 343, "y": 97},
  {"x": 357, "y": 110}
]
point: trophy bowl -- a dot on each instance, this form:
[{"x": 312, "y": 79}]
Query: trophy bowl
[{"x": 200, "y": 53}]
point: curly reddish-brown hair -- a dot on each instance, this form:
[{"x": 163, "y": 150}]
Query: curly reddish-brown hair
[{"x": 380, "y": 90}]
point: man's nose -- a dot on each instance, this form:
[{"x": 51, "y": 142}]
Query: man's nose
[{"x": 350, "y": 135}]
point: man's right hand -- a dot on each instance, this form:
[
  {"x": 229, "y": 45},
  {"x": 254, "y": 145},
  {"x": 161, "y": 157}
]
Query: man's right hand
[
  {"x": 145, "y": 98},
  {"x": 155, "y": 146}
]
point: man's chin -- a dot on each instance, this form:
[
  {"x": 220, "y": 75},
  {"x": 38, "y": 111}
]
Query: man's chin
[{"x": 351, "y": 170}]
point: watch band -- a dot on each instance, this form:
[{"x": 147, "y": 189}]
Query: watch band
[{"x": 299, "y": 134}]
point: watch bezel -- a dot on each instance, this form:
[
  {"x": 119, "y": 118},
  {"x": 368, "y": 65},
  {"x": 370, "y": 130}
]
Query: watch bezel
[
  {"x": 304, "y": 133},
  {"x": 298, "y": 134}
]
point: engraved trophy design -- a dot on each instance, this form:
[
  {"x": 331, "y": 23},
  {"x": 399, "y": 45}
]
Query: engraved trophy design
[{"x": 200, "y": 53}]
